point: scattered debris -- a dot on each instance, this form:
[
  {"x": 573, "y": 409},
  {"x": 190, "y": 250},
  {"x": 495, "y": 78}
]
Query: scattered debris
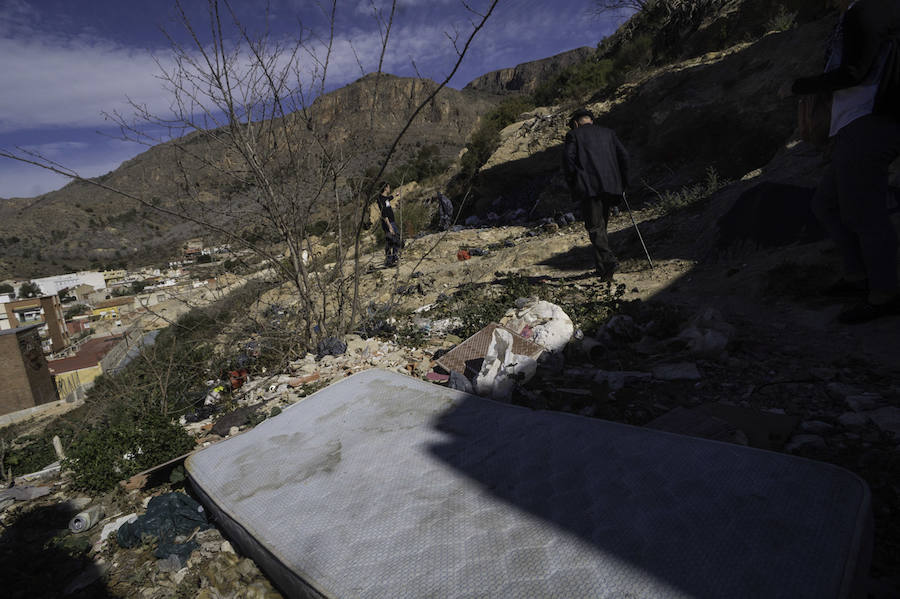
[
  {"x": 168, "y": 518},
  {"x": 799, "y": 442},
  {"x": 47, "y": 474},
  {"x": 617, "y": 379},
  {"x": 697, "y": 423},
  {"x": 113, "y": 527},
  {"x": 548, "y": 324},
  {"x": 763, "y": 429},
  {"x": 84, "y": 521},
  {"x": 302, "y": 380},
  {"x": 467, "y": 357},
  {"x": 330, "y": 346},
  {"x": 682, "y": 371},
  {"x": 154, "y": 476},
  {"x": 21, "y": 493},
  {"x": 502, "y": 369},
  {"x": 238, "y": 417},
  {"x": 460, "y": 382},
  {"x": 886, "y": 419}
]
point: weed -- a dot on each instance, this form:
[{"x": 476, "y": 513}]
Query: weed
[
  {"x": 690, "y": 195},
  {"x": 478, "y": 305},
  {"x": 782, "y": 20},
  {"x": 316, "y": 386},
  {"x": 411, "y": 336}
]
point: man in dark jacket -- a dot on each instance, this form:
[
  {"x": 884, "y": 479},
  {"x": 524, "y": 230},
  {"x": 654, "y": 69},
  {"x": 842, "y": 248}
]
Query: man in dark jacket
[
  {"x": 862, "y": 72},
  {"x": 445, "y": 211},
  {"x": 595, "y": 164},
  {"x": 392, "y": 243}
]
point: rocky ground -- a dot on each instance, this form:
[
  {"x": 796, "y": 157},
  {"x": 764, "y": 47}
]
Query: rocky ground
[{"x": 734, "y": 345}]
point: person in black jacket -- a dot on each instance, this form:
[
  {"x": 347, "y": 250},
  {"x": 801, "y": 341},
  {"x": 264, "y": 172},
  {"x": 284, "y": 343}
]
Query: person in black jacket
[
  {"x": 595, "y": 164},
  {"x": 445, "y": 211},
  {"x": 861, "y": 72},
  {"x": 392, "y": 243}
]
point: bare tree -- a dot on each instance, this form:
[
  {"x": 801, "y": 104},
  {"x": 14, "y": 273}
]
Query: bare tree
[{"x": 257, "y": 163}]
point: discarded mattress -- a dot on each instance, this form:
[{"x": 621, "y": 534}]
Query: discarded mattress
[{"x": 382, "y": 485}]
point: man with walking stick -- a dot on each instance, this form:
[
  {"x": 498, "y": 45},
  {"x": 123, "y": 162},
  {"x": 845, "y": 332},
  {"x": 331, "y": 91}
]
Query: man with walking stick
[{"x": 595, "y": 165}]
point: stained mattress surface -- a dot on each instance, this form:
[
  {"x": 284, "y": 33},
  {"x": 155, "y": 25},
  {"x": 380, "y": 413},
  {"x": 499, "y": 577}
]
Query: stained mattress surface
[{"x": 382, "y": 485}]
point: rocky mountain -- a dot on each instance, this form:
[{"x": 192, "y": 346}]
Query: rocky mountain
[
  {"x": 690, "y": 86},
  {"x": 88, "y": 224},
  {"x": 703, "y": 102},
  {"x": 527, "y": 76}
]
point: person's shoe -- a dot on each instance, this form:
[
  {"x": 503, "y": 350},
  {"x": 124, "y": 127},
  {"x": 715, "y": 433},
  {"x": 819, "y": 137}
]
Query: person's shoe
[
  {"x": 846, "y": 288},
  {"x": 865, "y": 312},
  {"x": 607, "y": 270}
]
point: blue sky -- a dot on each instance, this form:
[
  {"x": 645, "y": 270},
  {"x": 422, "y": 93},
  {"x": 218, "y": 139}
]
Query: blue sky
[{"x": 65, "y": 62}]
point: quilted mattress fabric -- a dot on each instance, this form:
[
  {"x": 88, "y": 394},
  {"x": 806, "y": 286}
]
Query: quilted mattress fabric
[{"x": 382, "y": 485}]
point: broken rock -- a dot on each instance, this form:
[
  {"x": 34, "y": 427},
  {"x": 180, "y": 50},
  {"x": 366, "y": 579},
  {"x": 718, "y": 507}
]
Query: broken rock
[
  {"x": 853, "y": 419},
  {"x": 683, "y": 371},
  {"x": 798, "y": 442},
  {"x": 863, "y": 402},
  {"x": 887, "y": 419},
  {"x": 617, "y": 379},
  {"x": 816, "y": 427}
]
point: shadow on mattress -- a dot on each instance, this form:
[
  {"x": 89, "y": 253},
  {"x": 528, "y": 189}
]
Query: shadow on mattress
[{"x": 711, "y": 519}]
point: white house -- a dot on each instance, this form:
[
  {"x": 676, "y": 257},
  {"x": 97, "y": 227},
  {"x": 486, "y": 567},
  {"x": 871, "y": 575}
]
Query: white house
[{"x": 53, "y": 285}]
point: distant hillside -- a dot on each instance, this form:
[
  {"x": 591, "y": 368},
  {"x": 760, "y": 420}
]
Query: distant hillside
[
  {"x": 686, "y": 91},
  {"x": 527, "y": 76},
  {"x": 688, "y": 85},
  {"x": 81, "y": 224}
]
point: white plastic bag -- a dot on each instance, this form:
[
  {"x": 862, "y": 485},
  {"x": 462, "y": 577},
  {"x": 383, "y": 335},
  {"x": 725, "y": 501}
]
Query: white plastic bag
[
  {"x": 549, "y": 325},
  {"x": 502, "y": 369}
]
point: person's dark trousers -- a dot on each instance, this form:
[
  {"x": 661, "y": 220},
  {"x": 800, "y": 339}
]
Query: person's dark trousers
[
  {"x": 851, "y": 200},
  {"x": 596, "y": 215},
  {"x": 391, "y": 248}
]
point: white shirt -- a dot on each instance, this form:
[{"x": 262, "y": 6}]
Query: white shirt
[{"x": 851, "y": 103}]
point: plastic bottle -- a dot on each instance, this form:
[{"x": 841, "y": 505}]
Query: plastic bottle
[{"x": 85, "y": 520}]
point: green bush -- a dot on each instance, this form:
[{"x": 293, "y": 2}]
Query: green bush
[
  {"x": 478, "y": 305},
  {"x": 76, "y": 310},
  {"x": 104, "y": 455},
  {"x": 425, "y": 164},
  {"x": 486, "y": 138},
  {"x": 414, "y": 217},
  {"x": 782, "y": 20},
  {"x": 690, "y": 195}
]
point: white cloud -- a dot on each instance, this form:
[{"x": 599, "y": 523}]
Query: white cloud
[
  {"x": 52, "y": 82},
  {"x": 56, "y": 148}
]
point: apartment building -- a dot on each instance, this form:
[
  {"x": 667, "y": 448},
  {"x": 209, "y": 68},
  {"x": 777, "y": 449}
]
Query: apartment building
[
  {"x": 27, "y": 381},
  {"x": 45, "y": 310}
]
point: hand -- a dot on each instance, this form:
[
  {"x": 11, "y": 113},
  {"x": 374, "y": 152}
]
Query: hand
[{"x": 785, "y": 90}]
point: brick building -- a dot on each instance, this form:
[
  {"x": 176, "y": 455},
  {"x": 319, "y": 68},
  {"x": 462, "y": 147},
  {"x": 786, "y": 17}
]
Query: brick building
[
  {"x": 82, "y": 368},
  {"x": 46, "y": 310},
  {"x": 26, "y": 378}
]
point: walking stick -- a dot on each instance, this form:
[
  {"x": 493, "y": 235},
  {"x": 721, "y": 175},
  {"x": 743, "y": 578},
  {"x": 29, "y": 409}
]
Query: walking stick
[{"x": 624, "y": 199}]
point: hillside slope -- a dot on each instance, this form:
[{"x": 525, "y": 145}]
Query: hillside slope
[{"x": 88, "y": 224}]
